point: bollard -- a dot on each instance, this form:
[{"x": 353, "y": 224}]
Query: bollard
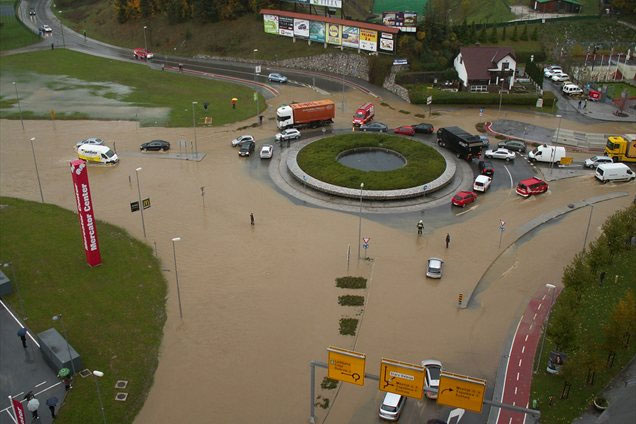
[{"x": 460, "y": 299}]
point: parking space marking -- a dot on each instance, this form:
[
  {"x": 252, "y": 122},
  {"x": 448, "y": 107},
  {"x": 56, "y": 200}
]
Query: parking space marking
[{"x": 19, "y": 323}]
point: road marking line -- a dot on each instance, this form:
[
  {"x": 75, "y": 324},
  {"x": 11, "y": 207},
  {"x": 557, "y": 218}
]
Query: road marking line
[
  {"x": 515, "y": 390},
  {"x": 517, "y": 376},
  {"x": 514, "y": 403},
  {"x": 20, "y": 324},
  {"x": 531, "y": 325},
  {"x": 526, "y": 338},
  {"x": 523, "y": 349},
  {"x": 510, "y": 420},
  {"x": 503, "y": 388},
  {"x": 466, "y": 211},
  {"x": 510, "y": 175},
  {"x": 540, "y": 305},
  {"x": 10, "y": 414},
  {"x": 38, "y": 385},
  {"x": 543, "y": 298},
  {"x": 534, "y": 316},
  {"x": 520, "y": 362}
]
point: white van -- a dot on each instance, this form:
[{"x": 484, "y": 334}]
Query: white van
[
  {"x": 546, "y": 153},
  {"x": 614, "y": 172},
  {"x": 571, "y": 89},
  {"x": 97, "y": 154}
]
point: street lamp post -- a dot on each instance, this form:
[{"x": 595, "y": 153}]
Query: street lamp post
[
  {"x": 556, "y": 139},
  {"x": 62, "y": 29},
  {"x": 58, "y": 317},
  {"x": 141, "y": 206},
  {"x": 176, "y": 274},
  {"x": 99, "y": 374},
  {"x": 551, "y": 287},
  {"x": 194, "y": 128},
  {"x": 587, "y": 230},
  {"x": 37, "y": 173},
  {"x": 145, "y": 43},
  {"x": 360, "y": 220},
  {"x": 17, "y": 98},
  {"x": 257, "y": 102}
]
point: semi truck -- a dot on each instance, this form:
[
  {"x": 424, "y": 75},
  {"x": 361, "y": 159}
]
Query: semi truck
[
  {"x": 621, "y": 148},
  {"x": 309, "y": 114},
  {"x": 465, "y": 145}
]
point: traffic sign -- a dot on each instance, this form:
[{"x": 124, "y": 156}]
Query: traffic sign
[
  {"x": 258, "y": 69},
  {"x": 461, "y": 391},
  {"x": 346, "y": 365},
  {"x": 146, "y": 203},
  {"x": 402, "y": 378},
  {"x": 429, "y": 100},
  {"x": 134, "y": 206},
  {"x": 255, "y": 96},
  {"x": 366, "y": 240}
]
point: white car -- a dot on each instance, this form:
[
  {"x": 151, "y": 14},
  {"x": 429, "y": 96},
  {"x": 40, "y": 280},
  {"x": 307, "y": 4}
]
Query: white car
[
  {"x": 552, "y": 72},
  {"x": 482, "y": 183},
  {"x": 433, "y": 370},
  {"x": 276, "y": 77},
  {"x": 595, "y": 161},
  {"x": 241, "y": 139},
  {"x": 267, "y": 151},
  {"x": 46, "y": 28},
  {"x": 392, "y": 406},
  {"x": 500, "y": 153},
  {"x": 90, "y": 140},
  {"x": 288, "y": 134},
  {"x": 434, "y": 268},
  {"x": 560, "y": 77}
]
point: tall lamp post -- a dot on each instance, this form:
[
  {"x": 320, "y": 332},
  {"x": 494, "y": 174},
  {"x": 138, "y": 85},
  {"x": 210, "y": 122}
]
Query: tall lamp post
[
  {"x": 58, "y": 317},
  {"x": 141, "y": 206},
  {"x": 360, "y": 220},
  {"x": 17, "y": 98},
  {"x": 176, "y": 273},
  {"x": 98, "y": 374},
  {"x": 550, "y": 287},
  {"x": 37, "y": 173},
  {"x": 556, "y": 139},
  {"x": 145, "y": 43},
  {"x": 589, "y": 221},
  {"x": 194, "y": 128},
  {"x": 256, "y": 94}
]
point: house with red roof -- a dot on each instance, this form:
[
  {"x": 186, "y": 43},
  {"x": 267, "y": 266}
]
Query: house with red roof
[{"x": 483, "y": 69}]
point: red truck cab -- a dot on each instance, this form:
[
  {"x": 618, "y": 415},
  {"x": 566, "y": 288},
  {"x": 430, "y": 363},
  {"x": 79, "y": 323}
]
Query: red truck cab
[{"x": 364, "y": 114}]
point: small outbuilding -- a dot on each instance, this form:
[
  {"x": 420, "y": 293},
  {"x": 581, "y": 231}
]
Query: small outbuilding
[{"x": 555, "y": 6}]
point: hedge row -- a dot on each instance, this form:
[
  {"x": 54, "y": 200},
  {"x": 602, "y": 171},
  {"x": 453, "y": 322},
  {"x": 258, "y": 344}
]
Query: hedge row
[{"x": 418, "y": 95}]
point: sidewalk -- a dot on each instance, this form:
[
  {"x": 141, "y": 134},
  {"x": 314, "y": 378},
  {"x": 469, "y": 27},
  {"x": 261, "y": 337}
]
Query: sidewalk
[{"x": 602, "y": 111}]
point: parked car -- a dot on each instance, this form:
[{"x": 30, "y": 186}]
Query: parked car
[
  {"x": 155, "y": 145},
  {"x": 485, "y": 141},
  {"x": 595, "y": 161},
  {"x": 90, "y": 140},
  {"x": 463, "y": 198},
  {"x": 531, "y": 186},
  {"x": 434, "y": 268},
  {"x": 482, "y": 183},
  {"x": 433, "y": 370},
  {"x": 404, "y": 130},
  {"x": 500, "y": 153},
  {"x": 392, "y": 406},
  {"x": 246, "y": 148},
  {"x": 486, "y": 168},
  {"x": 560, "y": 77},
  {"x": 240, "y": 139},
  {"x": 514, "y": 145},
  {"x": 374, "y": 127},
  {"x": 288, "y": 134},
  {"x": 46, "y": 28},
  {"x": 144, "y": 54},
  {"x": 267, "y": 151},
  {"x": 571, "y": 89},
  {"x": 276, "y": 77},
  {"x": 423, "y": 128}
]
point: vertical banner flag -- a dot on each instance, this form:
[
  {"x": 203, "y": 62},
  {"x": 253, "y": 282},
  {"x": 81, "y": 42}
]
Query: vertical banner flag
[
  {"x": 18, "y": 411},
  {"x": 85, "y": 212}
]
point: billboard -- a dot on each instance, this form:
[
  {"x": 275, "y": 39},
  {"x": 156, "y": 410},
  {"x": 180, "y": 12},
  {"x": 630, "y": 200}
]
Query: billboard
[
  {"x": 406, "y": 21},
  {"x": 317, "y": 31},
  {"x": 270, "y": 23},
  {"x": 350, "y": 36},
  {"x": 334, "y": 34},
  {"x": 301, "y": 28},
  {"x": 386, "y": 42},
  {"x": 325, "y": 3},
  {"x": 85, "y": 212},
  {"x": 368, "y": 40},
  {"x": 286, "y": 26}
]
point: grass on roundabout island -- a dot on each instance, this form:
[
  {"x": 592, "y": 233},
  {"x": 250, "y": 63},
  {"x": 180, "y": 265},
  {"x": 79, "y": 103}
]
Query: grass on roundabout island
[
  {"x": 424, "y": 164},
  {"x": 113, "y": 313}
]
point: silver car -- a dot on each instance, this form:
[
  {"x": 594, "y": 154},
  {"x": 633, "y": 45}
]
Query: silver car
[
  {"x": 241, "y": 139},
  {"x": 433, "y": 371},
  {"x": 276, "y": 77},
  {"x": 434, "y": 268},
  {"x": 392, "y": 406},
  {"x": 595, "y": 161},
  {"x": 90, "y": 140}
]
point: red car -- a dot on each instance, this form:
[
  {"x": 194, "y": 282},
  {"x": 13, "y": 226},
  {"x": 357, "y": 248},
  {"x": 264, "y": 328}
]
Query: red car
[
  {"x": 142, "y": 54},
  {"x": 405, "y": 130},
  {"x": 464, "y": 198},
  {"x": 531, "y": 186}
]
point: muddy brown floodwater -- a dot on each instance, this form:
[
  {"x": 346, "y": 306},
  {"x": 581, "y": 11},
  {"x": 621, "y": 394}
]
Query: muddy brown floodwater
[{"x": 259, "y": 302}]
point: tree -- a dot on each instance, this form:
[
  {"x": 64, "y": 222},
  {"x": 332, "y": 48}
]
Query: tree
[
  {"x": 503, "y": 34},
  {"x": 205, "y": 10},
  {"x": 577, "y": 275},
  {"x": 562, "y": 327},
  {"x": 626, "y": 6},
  {"x": 514, "y": 37},
  {"x": 621, "y": 323},
  {"x": 493, "y": 35},
  {"x": 482, "y": 35},
  {"x": 145, "y": 8},
  {"x": 524, "y": 33},
  {"x": 535, "y": 33}
]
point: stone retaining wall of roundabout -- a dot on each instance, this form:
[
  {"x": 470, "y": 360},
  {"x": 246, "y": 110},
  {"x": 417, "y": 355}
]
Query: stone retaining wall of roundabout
[{"x": 354, "y": 193}]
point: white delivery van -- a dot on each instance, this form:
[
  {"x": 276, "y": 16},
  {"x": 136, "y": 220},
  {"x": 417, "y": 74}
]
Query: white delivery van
[
  {"x": 571, "y": 89},
  {"x": 97, "y": 154},
  {"x": 546, "y": 153},
  {"x": 614, "y": 172}
]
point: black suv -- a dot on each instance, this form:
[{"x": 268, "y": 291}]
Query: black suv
[
  {"x": 247, "y": 147},
  {"x": 486, "y": 168}
]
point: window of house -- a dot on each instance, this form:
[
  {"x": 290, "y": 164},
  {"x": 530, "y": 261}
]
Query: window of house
[
  {"x": 479, "y": 88},
  {"x": 505, "y": 66}
]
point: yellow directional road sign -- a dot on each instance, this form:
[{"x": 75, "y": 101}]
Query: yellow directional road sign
[
  {"x": 402, "y": 378},
  {"x": 461, "y": 391},
  {"x": 346, "y": 365}
]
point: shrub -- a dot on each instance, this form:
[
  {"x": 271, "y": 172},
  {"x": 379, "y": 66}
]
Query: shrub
[
  {"x": 348, "y": 326},
  {"x": 328, "y": 383},
  {"x": 349, "y": 300},
  {"x": 480, "y": 127},
  {"x": 351, "y": 282},
  {"x": 379, "y": 69}
]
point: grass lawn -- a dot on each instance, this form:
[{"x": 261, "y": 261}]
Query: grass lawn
[
  {"x": 424, "y": 164},
  {"x": 614, "y": 90},
  {"x": 150, "y": 88},
  {"x": 596, "y": 303},
  {"x": 114, "y": 313},
  {"x": 13, "y": 33}
]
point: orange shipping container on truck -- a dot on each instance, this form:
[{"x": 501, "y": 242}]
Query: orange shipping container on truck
[{"x": 320, "y": 110}]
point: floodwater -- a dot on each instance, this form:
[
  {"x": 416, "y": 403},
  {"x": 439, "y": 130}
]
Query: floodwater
[
  {"x": 372, "y": 160},
  {"x": 260, "y": 302}
]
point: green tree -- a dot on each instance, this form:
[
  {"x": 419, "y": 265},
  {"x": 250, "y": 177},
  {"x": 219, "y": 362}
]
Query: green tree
[
  {"x": 535, "y": 33},
  {"x": 121, "y": 8},
  {"x": 493, "y": 35},
  {"x": 563, "y": 323},
  {"x": 483, "y": 36},
  {"x": 145, "y": 8},
  {"x": 515, "y": 36},
  {"x": 621, "y": 322},
  {"x": 503, "y": 34},
  {"x": 626, "y": 6},
  {"x": 524, "y": 33},
  {"x": 205, "y": 10},
  {"x": 577, "y": 274}
]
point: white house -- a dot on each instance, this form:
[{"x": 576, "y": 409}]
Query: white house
[{"x": 483, "y": 69}]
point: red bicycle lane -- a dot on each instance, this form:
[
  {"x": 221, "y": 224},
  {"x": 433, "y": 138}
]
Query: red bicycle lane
[{"x": 518, "y": 377}]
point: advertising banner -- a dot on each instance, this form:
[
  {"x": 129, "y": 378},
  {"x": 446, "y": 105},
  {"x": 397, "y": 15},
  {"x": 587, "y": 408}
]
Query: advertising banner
[
  {"x": 317, "y": 31},
  {"x": 85, "y": 212},
  {"x": 368, "y": 40},
  {"x": 386, "y": 42},
  {"x": 350, "y": 36},
  {"x": 406, "y": 21},
  {"x": 334, "y": 34},
  {"x": 286, "y": 26},
  {"x": 271, "y": 24},
  {"x": 327, "y": 3},
  {"x": 301, "y": 28},
  {"x": 18, "y": 411}
]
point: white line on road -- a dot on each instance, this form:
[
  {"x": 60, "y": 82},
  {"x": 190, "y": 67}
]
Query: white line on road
[
  {"x": 20, "y": 324},
  {"x": 10, "y": 414},
  {"x": 503, "y": 389},
  {"x": 526, "y": 338},
  {"x": 510, "y": 420},
  {"x": 466, "y": 211},
  {"x": 531, "y": 325},
  {"x": 543, "y": 298},
  {"x": 515, "y": 390},
  {"x": 520, "y": 362},
  {"x": 539, "y": 308},
  {"x": 517, "y": 376},
  {"x": 510, "y": 175},
  {"x": 38, "y": 385},
  {"x": 523, "y": 349},
  {"x": 36, "y": 394},
  {"x": 534, "y": 316}
]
